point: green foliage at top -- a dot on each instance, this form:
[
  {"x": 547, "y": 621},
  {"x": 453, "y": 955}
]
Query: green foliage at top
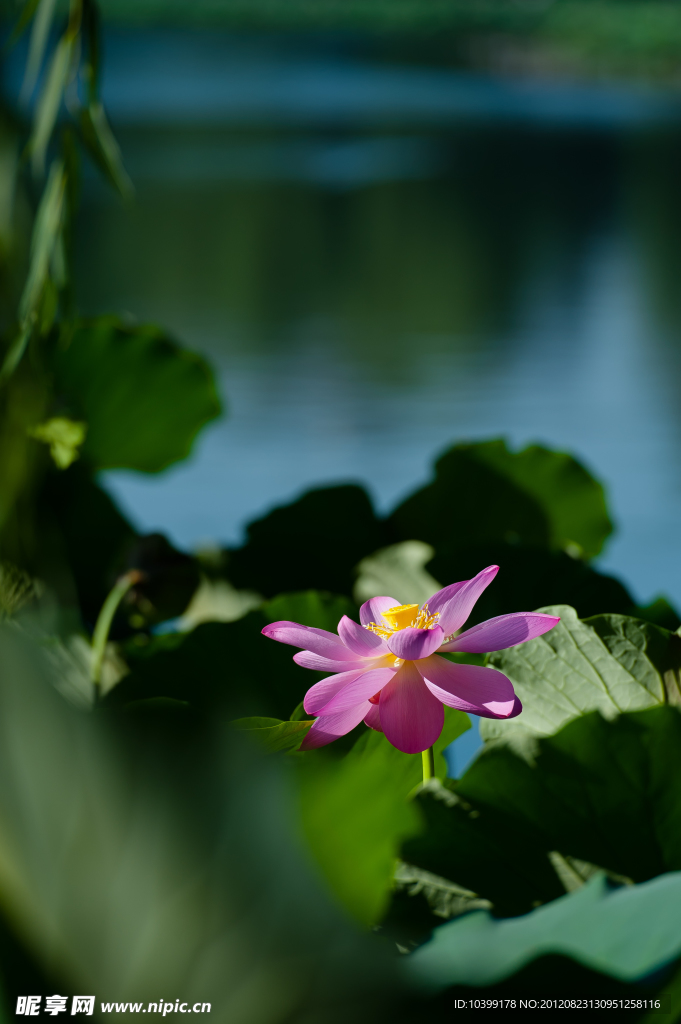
[
  {"x": 143, "y": 398},
  {"x": 596, "y": 926},
  {"x": 484, "y": 493}
]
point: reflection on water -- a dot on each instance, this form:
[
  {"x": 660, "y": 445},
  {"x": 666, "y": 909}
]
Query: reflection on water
[{"x": 370, "y": 293}]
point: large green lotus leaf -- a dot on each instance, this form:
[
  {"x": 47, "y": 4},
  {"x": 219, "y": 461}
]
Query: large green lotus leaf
[
  {"x": 483, "y": 493},
  {"x": 355, "y": 814},
  {"x": 605, "y": 792},
  {"x": 231, "y": 665},
  {"x": 144, "y": 398},
  {"x": 196, "y": 841},
  {"x": 628, "y": 933},
  {"x": 314, "y": 543},
  {"x": 530, "y": 577},
  {"x": 609, "y": 663}
]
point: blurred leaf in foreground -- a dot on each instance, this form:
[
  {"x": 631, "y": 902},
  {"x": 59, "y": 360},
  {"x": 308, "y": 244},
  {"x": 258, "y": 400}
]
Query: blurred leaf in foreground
[
  {"x": 628, "y": 933},
  {"x": 99, "y": 837},
  {"x": 355, "y": 815}
]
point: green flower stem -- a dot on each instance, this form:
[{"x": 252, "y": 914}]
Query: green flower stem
[
  {"x": 104, "y": 620},
  {"x": 428, "y": 764}
]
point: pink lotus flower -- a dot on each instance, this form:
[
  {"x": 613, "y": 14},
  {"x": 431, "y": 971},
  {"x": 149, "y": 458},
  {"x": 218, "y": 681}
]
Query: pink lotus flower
[{"x": 386, "y": 671}]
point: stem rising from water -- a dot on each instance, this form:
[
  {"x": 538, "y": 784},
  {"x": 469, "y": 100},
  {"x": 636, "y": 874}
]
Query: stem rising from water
[{"x": 104, "y": 620}]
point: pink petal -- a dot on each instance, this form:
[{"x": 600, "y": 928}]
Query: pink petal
[
  {"x": 330, "y": 727},
  {"x": 411, "y": 717},
  {"x": 357, "y": 690},
  {"x": 480, "y": 691},
  {"x": 437, "y": 602},
  {"x": 412, "y": 644},
  {"x": 373, "y": 718},
  {"x": 320, "y": 641},
  {"x": 455, "y": 611},
  {"x": 323, "y": 691},
  {"x": 309, "y": 660},
  {"x": 501, "y": 632},
  {"x": 360, "y": 641},
  {"x": 372, "y": 611}
]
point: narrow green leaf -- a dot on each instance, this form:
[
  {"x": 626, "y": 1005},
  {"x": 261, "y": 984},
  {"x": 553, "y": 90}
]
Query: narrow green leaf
[
  {"x": 42, "y": 23},
  {"x": 23, "y": 21},
  {"x": 105, "y": 151},
  {"x": 627, "y": 933},
  {"x": 46, "y": 234},
  {"x": 49, "y": 102}
]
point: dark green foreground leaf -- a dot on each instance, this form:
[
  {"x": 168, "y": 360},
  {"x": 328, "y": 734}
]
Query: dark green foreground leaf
[
  {"x": 355, "y": 815},
  {"x": 141, "y": 872},
  {"x": 628, "y": 933}
]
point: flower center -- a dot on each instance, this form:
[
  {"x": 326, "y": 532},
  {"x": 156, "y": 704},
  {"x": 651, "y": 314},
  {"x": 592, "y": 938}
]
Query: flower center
[{"x": 403, "y": 616}]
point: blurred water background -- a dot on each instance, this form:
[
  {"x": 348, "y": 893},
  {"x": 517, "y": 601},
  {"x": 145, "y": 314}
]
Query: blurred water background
[{"x": 381, "y": 258}]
